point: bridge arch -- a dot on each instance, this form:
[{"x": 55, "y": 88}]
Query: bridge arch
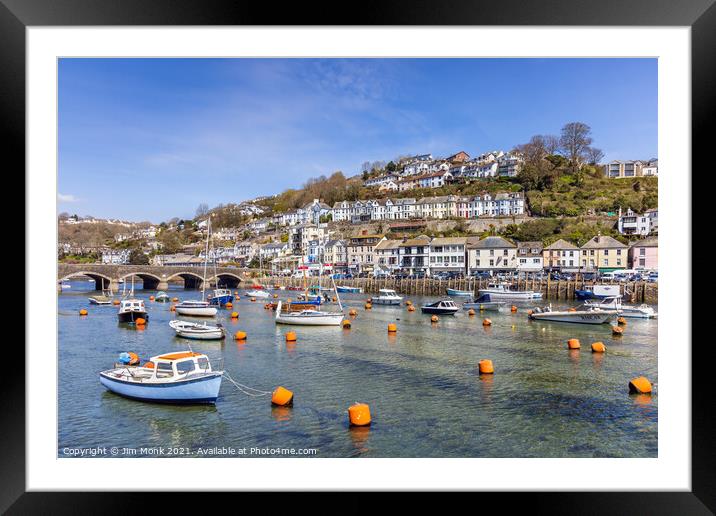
[
  {"x": 149, "y": 280},
  {"x": 101, "y": 281},
  {"x": 226, "y": 280},
  {"x": 191, "y": 279}
]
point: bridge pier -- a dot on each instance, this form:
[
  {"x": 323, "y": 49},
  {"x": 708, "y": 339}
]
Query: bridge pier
[
  {"x": 163, "y": 285},
  {"x": 114, "y": 285}
]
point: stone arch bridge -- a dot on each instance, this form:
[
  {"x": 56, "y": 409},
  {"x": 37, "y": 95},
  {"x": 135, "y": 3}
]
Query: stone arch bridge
[{"x": 153, "y": 277}]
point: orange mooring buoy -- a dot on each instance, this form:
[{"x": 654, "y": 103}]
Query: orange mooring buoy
[
  {"x": 640, "y": 386},
  {"x": 83, "y": 311},
  {"x": 240, "y": 335},
  {"x": 434, "y": 318},
  {"x": 353, "y": 312},
  {"x": 598, "y": 347},
  {"x": 151, "y": 298},
  {"x": 359, "y": 414},
  {"x": 411, "y": 308},
  {"x": 513, "y": 308},
  {"x": 115, "y": 302},
  {"x": 291, "y": 336},
  {"x": 282, "y": 397},
  {"x": 617, "y": 330},
  {"x": 229, "y": 305},
  {"x": 573, "y": 344},
  {"x": 346, "y": 324},
  {"x": 408, "y": 303},
  {"x": 486, "y": 322},
  {"x": 392, "y": 328},
  {"x": 471, "y": 312},
  {"x": 234, "y": 315},
  {"x": 485, "y": 367},
  {"x": 621, "y": 321},
  {"x": 140, "y": 322},
  {"x": 175, "y": 299},
  {"x": 368, "y": 306}
]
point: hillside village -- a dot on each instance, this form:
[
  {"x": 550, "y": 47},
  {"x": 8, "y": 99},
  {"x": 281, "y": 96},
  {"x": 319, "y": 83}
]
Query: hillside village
[{"x": 525, "y": 210}]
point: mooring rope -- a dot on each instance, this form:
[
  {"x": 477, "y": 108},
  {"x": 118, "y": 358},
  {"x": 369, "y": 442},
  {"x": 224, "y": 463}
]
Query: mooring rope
[{"x": 245, "y": 388}]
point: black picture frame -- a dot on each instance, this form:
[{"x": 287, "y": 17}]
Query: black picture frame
[{"x": 699, "y": 15}]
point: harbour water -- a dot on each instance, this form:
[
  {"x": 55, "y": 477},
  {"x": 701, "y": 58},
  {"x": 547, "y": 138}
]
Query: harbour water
[{"x": 425, "y": 396}]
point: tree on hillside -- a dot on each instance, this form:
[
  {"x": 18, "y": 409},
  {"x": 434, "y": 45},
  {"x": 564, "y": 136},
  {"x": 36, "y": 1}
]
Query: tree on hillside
[
  {"x": 594, "y": 156},
  {"x": 202, "y": 210},
  {"x": 137, "y": 257},
  {"x": 391, "y": 167},
  {"x": 574, "y": 141}
]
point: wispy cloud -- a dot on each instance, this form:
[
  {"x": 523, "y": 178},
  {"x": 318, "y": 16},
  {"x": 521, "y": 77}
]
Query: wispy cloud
[{"x": 65, "y": 198}]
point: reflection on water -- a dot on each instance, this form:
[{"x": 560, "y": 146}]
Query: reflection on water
[{"x": 425, "y": 396}]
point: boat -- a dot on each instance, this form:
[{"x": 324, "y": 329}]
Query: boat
[
  {"x": 307, "y": 316},
  {"x": 221, "y": 296},
  {"x": 642, "y": 311},
  {"x": 192, "y": 330},
  {"x": 105, "y": 298},
  {"x": 597, "y": 291},
  {"x": 183, "y": 377},
  {"x": 442, "y": 307},
  {"x": 499, "y": 291},
  {"x": 483, "y": 302},
  {"x": 459, "y": 293},
  {"x": 386, "y": 297},
  {"x": 261, "y": 294},
  {"x": 132, "y": 309},
  {"x": 349, "y": 290},
  {"x": 193, "y": 306},
  {"x": 162, "y": 297},
  {"x": 585, "y": 316}
]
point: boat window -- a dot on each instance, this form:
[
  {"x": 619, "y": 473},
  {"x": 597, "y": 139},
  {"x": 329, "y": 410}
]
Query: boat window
[
  {"x": 164, "y": 369},
  {"x": 185, "y": 366},
  {"x": 203, "y": 363}
]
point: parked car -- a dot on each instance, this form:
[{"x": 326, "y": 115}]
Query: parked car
[{"x": 481, "y": 274}]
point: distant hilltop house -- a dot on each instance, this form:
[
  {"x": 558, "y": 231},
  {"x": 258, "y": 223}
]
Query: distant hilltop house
[{"x": 627, "y": 169}]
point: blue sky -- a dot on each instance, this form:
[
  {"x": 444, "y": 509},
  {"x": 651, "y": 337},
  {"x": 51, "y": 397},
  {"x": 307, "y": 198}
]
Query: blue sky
[{"x": 150, "y": 139}]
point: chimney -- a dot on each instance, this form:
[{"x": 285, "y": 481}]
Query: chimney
[{"x": 364, "y": 232}]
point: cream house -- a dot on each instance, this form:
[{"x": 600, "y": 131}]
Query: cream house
[
  {"x": 604, "y": 253},
  {"x": 491, "y": 254}
]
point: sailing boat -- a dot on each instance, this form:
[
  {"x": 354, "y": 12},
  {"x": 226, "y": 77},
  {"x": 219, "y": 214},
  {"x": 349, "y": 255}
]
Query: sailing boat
[
  {"x": 131, "y": 308},
  {"x": 219, "y": 296},
  {"x": 194, "y": 307},
  {"x": 306, "y": 315}
]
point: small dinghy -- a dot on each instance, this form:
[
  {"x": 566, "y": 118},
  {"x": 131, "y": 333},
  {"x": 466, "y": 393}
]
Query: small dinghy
[
  {"x": 259, "y": 294},
  {"x": 198, "y": 331},
  {"x": 442, "y": 307},
  {"x": 484, "y": 302},
  {"x": 100, "y": 300},
  {"x": 386, "y": 297},
  {"x": 348, "y": 290},
  {"x": 196, "y": 308},
  {"x": 642, "y": 311},
  {"x": 184, "y": 377},
  {"x": 459, "y": 293}
]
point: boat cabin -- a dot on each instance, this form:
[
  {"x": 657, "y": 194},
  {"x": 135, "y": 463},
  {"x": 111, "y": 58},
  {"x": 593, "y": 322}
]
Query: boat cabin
[
  {"x": 132, "y": 305},
  {"x": 176, "y": 365}
]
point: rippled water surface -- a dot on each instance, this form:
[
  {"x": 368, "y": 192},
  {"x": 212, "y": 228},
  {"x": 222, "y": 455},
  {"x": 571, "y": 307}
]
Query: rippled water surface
[{"x": 425, "y": 397}]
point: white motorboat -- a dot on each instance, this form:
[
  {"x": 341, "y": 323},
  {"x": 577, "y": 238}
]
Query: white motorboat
[
  {"x": 386, "y": 297},
  {"x": 101, "y": 299},
  {"x": 162, "y": 297},
  {"x": 259, "y": 294},
  {"x": 307, "y": 316},
  {"x": 132, "y": 309},
  {"x": 192, "y": 330},
  {"x": 181, "y": 377},
  {"x": 196, "y": 308},
  {"x": 642, "y": 311},
  {"x": 589, "y": 316},
  {"x": 484, "y": 302},
  {"x": 499, "y": 291}
]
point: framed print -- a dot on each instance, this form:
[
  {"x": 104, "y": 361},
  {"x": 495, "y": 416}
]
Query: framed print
[{"x": 417, "y": 252}]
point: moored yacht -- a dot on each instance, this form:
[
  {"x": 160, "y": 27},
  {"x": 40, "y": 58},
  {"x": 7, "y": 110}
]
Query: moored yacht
[
  {"x": 442, "y": 307},
  {"x": 132, "y": 309},
  {"x": 589, "y": 316},
  {"x": 386, "y": 296},
  {"x": 499, "y": 291},
  {"x": 642, "y": 311}
]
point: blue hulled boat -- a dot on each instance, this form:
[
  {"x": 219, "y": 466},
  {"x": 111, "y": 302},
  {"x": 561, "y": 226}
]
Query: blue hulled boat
[{"x": 221, "y": 296}]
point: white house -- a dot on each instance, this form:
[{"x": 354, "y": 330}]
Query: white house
[
  {"x": 448, "y": 254},
  {"x": 529, "y": 257},
  {"x": 492, "y": 253}
]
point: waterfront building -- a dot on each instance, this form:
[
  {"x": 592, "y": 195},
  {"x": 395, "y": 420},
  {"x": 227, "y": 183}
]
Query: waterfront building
[
  {"x": 644, "y": 254},
  {"x": 560, "y": 255},
  {"x": 448, "y": 254},
  {"x": 529, "y": 257},
  {"x": 415, "y": 255},
  {"x": 335, "y": 254},
  {"x": 604, "y": 253},
  {"x": 387, "y": 255},
  {"x": 492, "y": 253},
  {"x": 360, "y": 251},
  {"x": 273, "y": 250},
  {"x": 299, "y": 237}
]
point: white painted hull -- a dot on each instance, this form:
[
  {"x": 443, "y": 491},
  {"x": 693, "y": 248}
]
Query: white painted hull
[
  {"x": 512, "y": 296},
  {"x": 386, "y": 300},
  {"x": 197, "y": 331},
  {"x": 208, "y": 311},
  {"x": 325, "y": 319},
  {"x": 579, "y": 317},
  {"x": 259, "y": 294}
]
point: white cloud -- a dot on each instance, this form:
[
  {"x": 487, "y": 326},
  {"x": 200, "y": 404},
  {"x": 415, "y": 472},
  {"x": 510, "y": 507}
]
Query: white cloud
[{"x": 66, "y": 198}]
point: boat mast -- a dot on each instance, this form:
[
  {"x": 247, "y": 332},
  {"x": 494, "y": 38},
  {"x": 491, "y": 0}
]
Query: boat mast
[{"x": 206, "y": 258}]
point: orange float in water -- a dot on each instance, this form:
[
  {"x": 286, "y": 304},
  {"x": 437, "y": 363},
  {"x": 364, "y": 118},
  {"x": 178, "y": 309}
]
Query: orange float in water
[
  {"x": 640, "y": 386},
  {"x": 598, "y": 347},
  {"x": 172, "y": 308},
  {"x": 572, "y": 309},
  {"x": 411, "y": 308},
  {"x": 392, "y": 328},
  {"x": 282, "y": 397},
  {"x": 83, "y": 311},
  {"x": 434, "y": 318},
  {"x": 529, "y": 312},
  {"x": 253, "y": 299},
  {"x": 408, "y": 303},
  {"x": 240, "y": 335},
  {"x": 175, "y": 299},
  {"x": 346, "y": 323},
  {"x": 485, "y": 367},
  {"x": 573, "y": 344},
  {"x": 621, "y": 321},
  {"x": 275, "y": 296},
  {"x": 353, "y": 312},
  {"x": 471, "y": 312},
  {"x": 359, "y": 414},
  {"x": 486, "y": 322},
  {"x": 151, "y": 298},
  {"x": 513, "y": 308},
  {"x": 115, "y": 302},
  {"x": 229, "y": 305},
  {"x": 368, "y": 306},
  {"x": 291, "y": 336},
  {"x": 140, "y": 322},
  {"x": 616, "y": 330},
  {"x": 234, "y": 315}
]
